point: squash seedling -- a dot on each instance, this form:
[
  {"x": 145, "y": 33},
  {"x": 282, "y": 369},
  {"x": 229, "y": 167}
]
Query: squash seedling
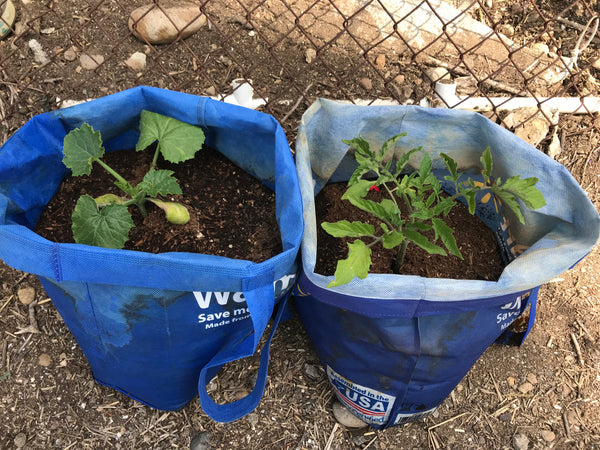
[
  {"x": 105, "y": 221},
  {"x": 421, "y": 192}
]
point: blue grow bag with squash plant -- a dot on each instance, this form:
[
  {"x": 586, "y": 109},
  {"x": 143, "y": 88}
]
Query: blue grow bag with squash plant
[
  {"x": 395, "y": 346},
  {"x": 136, "y": 315}
]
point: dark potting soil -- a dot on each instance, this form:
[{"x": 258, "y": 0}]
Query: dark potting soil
[
  {"x": 232, "y": 214},
  {"x": 476, "y": 242}
]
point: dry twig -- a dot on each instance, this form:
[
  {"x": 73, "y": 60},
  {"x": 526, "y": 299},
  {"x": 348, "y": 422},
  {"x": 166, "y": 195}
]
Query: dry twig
[
  {"x": 331, "y": 436},
  {"x": 577, "y": 349},
  {"x": 585, "y": 330},
  {"x": 33, "y": 326}
]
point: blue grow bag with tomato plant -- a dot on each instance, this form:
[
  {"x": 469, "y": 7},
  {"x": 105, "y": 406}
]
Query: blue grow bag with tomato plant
[{"x": 395, "y": 346}]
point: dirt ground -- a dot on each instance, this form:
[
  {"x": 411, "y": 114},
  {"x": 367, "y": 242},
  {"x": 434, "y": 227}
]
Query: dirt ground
[{"x": 546, "y": 392}]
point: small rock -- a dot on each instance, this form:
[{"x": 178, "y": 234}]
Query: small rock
[
  {"x": 505, "y": 417},
  {"x": 48, "y": 30},
  {"x": 548, "y": 435},
  {"x": 44, "y": 360},
  {"x": 137, "y": 61},
  {"x": 380, "y": 62},
  {"x": 310, "y": 55},
  {"x": 399, "y": 79},
  {"x": 90, "y": 62},
  {"x": 520, "y": 442},
  {"x": 511, "y": 381},
  {"x": 507, "y": 30},
  {"x": 253, "y": 419},
  {"x": 150, "y": 24},
  {"x": 532, "y": 378},
  {"x": 525, "y": 388},
  {"x": 542, "y": 48},
  {"x": 20, "y": 440},
  {"x": 312, "y": 371},
  {"x": 366, "y": 84},
  {"x": 26, "y": 295},
  {"x": 211, "y": 92},
  {"x": 530, "y": 124},
  {"x": 201, "y": 441},
  {"x": 70, "y": 54},
  {"x": 345, "y": 417}
]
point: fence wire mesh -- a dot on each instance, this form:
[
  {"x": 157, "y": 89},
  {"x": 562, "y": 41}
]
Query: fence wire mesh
[{"x": 518, "y": 62}]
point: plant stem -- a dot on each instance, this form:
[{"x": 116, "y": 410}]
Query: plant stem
[
  {"x": 142, "y": 208},
  {"x": 116, "y": 175},
  {"x": 399, "y": 259},
  {"x": 155, "y": 158}
]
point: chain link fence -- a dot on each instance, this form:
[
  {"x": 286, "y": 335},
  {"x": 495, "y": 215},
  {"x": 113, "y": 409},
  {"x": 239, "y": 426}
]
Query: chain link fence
[{"x": 519, "y": 62}]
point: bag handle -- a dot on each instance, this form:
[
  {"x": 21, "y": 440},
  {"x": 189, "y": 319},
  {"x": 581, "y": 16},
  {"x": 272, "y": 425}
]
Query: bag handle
[{"x": 260, "y": 300}]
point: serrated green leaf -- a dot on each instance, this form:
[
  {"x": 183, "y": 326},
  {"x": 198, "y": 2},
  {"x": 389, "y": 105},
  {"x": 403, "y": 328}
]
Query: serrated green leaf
[
  {"x": 510, "y": 201},
  {"x": 417, "y": 226},
  {"x": 159, "y": 182},
  {"x": 371, "y": 207},
  {"x": 422, "y": 213},
  {"x": 471, "y": 202},
  {"x": 366, "y": 162},
  {"x": 177, "y": 141},
  {"x": 357, "y": 174},
  {"x": 393, "y": 213},
  {"x": 392, "y": 240},
  {"x": 357, "y": 190},
  {"x": 344, "y": 228},
  {"x": 403, "y": 160},
  {"x": 445, "y": 233},
  {"x": 451, "y": 166},
  {"x": 425, "y": 168},
  {"x": 81, "y": 147},
  {"x": 443, "y": 206},
  {"x": 356, "y": 265},
  {"x": 420, "y": 240},
  {"x": 525, "y": 190},
  {"x": 486, "y": 162},
  {"x": 107, "y": 227},
  {"x": 390, "y": 144},
  {"x": 430, "y": 200},
  {"x": 360, "y": 144}
]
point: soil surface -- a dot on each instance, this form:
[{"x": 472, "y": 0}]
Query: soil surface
[
  {"x": 476, "y": 242},
  {"x": 232, "y": 214}
]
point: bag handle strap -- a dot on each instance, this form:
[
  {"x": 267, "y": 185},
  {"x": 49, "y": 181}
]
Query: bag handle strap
[{"x": 230, "y": 412}]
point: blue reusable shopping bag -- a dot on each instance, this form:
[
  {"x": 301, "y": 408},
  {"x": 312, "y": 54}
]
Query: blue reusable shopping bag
[
  {"x": 394, "y": 346},
  {"x": 154, "y": 326}
]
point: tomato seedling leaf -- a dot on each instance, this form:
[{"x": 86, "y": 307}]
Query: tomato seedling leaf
[
  {"x": 356, "y": 265},
  {"x": 344, "y": 228}
]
